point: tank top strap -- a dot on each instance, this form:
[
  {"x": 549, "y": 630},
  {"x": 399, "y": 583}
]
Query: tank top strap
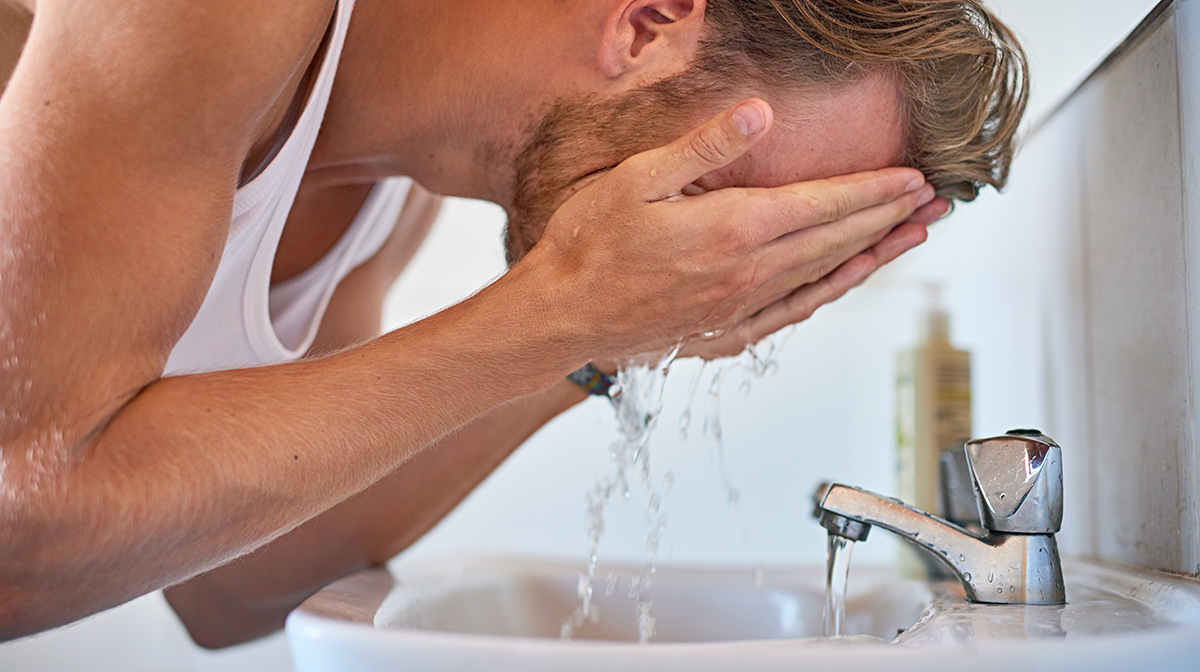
[{"x": 233, "y": 327}]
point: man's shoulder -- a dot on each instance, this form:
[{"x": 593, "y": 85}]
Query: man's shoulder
[{"x": 218, "y": 63}]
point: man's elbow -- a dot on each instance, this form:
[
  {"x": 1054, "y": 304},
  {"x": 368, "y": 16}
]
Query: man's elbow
[
  {"x": 17, "y": 616},
  {"x": 215, "y": 619}
]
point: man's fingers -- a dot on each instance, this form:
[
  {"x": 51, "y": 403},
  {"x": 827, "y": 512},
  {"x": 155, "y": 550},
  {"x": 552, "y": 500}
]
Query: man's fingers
[
  {"x": 931, "y": 212},
  {"x": 712, "y": 145},
  {"x": 800, "y": 206},
  {"x": 796, "y": 307},
  {"x": 806, "y": 255},
  {"x": 802, "y": 303},
  {"x": 900, "y": 240},
  {"x": 790, "y": 279},
  {"x": 882, "y": 248},
  {"x": 851, "y": 234}
]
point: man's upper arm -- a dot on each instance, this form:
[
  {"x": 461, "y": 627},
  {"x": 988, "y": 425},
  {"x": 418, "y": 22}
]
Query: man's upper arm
[{"x": 122, "y": 133}]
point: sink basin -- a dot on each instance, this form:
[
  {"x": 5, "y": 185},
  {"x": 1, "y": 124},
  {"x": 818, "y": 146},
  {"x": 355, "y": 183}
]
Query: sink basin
[{"x": 506, "y": 613}]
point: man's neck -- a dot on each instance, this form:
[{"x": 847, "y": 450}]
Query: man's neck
[{"x": 442, "y": 92}]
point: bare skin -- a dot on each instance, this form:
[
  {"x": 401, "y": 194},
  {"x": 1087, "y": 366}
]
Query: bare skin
[{"x": 127, "y": 126}]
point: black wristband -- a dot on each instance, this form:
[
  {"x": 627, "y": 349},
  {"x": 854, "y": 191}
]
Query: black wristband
[{"x": 593, "y": 380}]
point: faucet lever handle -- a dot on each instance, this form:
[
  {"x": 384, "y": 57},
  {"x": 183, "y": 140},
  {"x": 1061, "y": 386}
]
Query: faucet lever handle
[{"x": 1018, "y": 482}]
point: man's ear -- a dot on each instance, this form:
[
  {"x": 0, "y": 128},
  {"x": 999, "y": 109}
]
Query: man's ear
[{"x": 649, "y": 38}]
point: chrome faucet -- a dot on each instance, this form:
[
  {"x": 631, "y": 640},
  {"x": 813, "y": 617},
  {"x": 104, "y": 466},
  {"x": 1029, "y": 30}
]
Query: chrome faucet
[{"x": 1017, "y": 480}]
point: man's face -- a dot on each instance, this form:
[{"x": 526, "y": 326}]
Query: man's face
[{"x": 816, "y": 134}]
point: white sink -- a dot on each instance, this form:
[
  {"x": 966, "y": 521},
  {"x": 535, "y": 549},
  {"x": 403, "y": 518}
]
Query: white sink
[{"x": 499, "y": 614}]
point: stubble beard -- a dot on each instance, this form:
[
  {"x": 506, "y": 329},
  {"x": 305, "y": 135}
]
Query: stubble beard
[{"x": 580, "y": 136}]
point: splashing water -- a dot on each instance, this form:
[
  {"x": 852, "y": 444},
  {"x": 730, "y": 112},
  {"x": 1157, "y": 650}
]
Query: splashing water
[
  {"x": 637, "y": 401},
  {"x": 755, "y": 362}
]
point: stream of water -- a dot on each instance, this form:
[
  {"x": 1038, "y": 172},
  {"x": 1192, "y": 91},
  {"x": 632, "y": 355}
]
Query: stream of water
[{"x": 837, "y": 572}]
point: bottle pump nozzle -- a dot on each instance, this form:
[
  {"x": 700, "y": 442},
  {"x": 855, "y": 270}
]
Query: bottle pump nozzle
[{"x": 935, "y": 323}]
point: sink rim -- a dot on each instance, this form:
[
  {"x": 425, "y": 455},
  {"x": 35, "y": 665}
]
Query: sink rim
[
  {"x": 356, "y": 600},
  {"x": 352, "y": 603}
]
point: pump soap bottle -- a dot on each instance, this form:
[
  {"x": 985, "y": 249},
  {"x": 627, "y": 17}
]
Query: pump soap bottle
[{"x": 933, "y": 415}]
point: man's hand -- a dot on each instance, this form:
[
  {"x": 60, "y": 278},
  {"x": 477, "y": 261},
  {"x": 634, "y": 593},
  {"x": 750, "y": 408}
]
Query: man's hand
[
  {"x": 645, "y": 267},
  {"x": 800, "y": 304}
]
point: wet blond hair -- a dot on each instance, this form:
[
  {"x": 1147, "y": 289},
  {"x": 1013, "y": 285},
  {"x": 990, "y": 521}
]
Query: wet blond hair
[{"x": 962, "y": 73}]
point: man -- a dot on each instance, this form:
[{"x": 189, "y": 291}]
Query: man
[{"x": 148, "y": 147}]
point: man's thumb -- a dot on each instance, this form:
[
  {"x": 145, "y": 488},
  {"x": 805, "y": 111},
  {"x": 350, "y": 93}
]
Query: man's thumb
[{"x": 712, "y": 145}]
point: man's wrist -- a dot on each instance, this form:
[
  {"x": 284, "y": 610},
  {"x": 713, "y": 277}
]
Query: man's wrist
[{"x": 593, "y": 380}]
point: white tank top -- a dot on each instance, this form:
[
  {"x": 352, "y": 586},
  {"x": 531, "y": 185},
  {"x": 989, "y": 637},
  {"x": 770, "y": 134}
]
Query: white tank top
[{"x": 244, "y": 321}]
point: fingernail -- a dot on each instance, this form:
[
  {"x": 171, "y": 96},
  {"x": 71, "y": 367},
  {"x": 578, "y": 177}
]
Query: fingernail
[
  {"x": 915, "y": 184},
  {"x": 749, "y": 119},
  {"x": 946, "y": 211},
  {"x": 925, "y": 197}
]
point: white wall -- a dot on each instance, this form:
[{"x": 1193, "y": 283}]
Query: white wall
[
  {"x": 1136, "y": 247},
  {"x": 1066, "y": 40}
]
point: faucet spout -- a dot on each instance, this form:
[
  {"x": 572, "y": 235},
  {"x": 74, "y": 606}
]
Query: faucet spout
[{"x": 999, "y": 568}]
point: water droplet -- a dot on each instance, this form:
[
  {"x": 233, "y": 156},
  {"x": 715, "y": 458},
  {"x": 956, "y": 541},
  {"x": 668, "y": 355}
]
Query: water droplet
[
  {"x": 646, "y": 621},
  {"x": 1012, "y": 589},
  {"x": 999, "y": 590},
  {"x": 967, "y": 576},
  {"x": 962, "y": 557},
  {"x": 1002, "y": 495},
  {"x": 990, "y": 577},
  {"x": 712, "y": 335}
]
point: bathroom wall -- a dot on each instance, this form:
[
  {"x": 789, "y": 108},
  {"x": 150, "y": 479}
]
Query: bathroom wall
[
  {"x": 1081, "y": 284},
  {"x": 1123, "y": 326}
]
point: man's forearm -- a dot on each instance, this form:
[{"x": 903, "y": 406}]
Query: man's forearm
[
  {"x": 251, "y": 597},
  {"x": 198, "y": 470}
]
